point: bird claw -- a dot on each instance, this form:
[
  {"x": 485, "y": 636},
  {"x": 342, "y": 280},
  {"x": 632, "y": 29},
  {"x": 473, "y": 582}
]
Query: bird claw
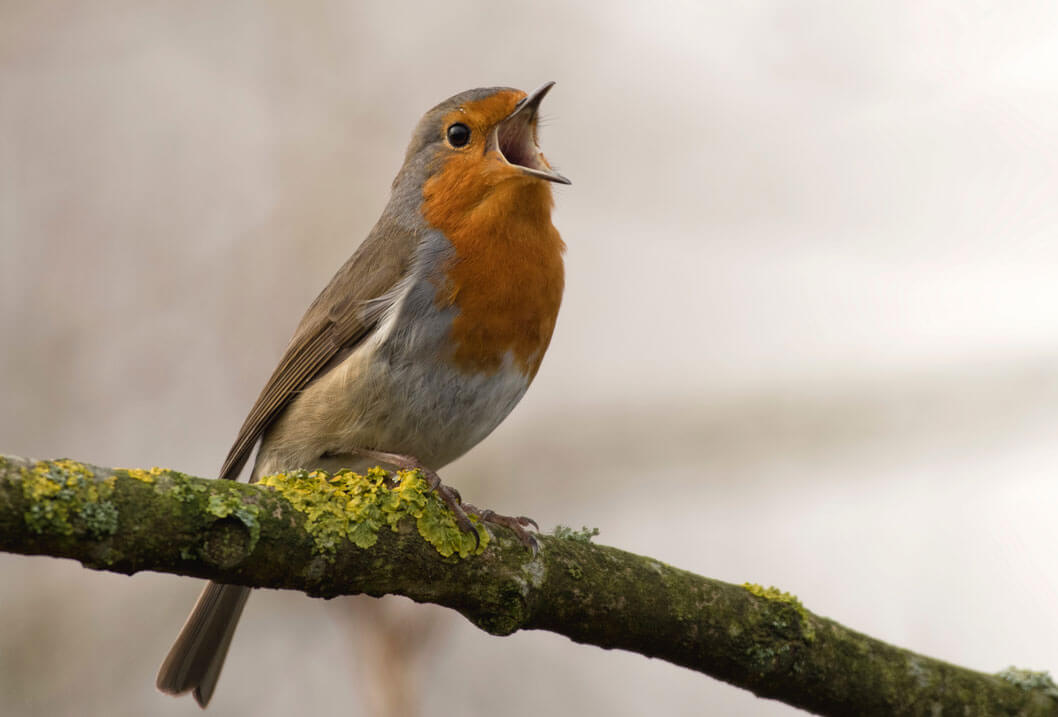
[
  {"x": 518, "y": 524},
  {"x": 451, "y": 498},
  {"x": 462, "y": 511},
  {"x": 455, "y": 503}
]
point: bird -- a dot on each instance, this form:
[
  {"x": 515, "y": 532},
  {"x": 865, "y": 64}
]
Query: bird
[{"x": 421, "y": 343}]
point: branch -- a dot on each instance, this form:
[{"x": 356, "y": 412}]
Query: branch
[{"x": 346, "y": 534}]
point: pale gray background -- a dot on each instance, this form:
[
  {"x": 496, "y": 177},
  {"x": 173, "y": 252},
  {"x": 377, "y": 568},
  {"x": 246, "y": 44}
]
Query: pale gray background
[{"x": 810, "y": 336}]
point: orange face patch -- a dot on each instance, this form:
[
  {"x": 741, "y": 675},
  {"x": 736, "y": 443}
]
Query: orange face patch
[
  {"x": 506, "y": 278},
  {"x": 481, "y": 116}
]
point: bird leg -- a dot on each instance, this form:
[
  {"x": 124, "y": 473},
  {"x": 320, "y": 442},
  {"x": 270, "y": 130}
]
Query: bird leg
[
  {"x": 454, "y": 501},
  {"x": 518, "y": 524}
]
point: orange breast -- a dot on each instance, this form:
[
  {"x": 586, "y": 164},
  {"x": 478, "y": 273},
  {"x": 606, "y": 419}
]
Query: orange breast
[{"x": 506, "y": 277}]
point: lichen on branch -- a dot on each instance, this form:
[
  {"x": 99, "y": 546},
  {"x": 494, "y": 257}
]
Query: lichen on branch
[
  {"x": 347, "y": 506},
  {"x": 378, "y": 534}
]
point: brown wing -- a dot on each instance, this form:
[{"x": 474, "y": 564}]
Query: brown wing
[{"x": 344, "y": 313}]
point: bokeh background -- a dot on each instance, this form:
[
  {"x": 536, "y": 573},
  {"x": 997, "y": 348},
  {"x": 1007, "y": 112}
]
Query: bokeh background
[{"x": 810, "y": 336}]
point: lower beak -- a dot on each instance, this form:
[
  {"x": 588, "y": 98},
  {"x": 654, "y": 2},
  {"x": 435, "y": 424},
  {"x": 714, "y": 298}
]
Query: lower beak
[{"x": 516, "y": 138}]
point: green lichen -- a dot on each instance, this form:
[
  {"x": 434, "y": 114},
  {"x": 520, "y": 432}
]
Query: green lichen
[
  {"x": 1030, "y": 680},
  {"x": 65, "y": 498},
  {"x": 227, "y": 501},
  {"x": 584, "y": 535},
  {"x": 179, "y": 486},
  {"x": 776, "y": 595},
  {"x": 765, "y": 658},
  {"x": 174, "y": 484},
  {"x": 349, "y": 506},
  {"x": 100, "y": 518}
]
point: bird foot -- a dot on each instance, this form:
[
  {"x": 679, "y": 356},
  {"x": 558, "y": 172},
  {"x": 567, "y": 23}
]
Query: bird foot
[
  {"x": 518, "y": 524},
  {"x": 454, "y": 501}
]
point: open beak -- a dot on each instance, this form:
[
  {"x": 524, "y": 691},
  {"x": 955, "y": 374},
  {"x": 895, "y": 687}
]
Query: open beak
[{"x": 515, "y": 137}]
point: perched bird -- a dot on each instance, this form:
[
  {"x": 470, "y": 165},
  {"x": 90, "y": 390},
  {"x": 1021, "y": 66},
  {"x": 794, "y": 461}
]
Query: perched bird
[{"x": 421, "y": 343}]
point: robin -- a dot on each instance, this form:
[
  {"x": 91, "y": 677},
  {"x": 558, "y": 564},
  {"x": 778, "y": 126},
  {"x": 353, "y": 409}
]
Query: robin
[{"x": 421, "y": 343}]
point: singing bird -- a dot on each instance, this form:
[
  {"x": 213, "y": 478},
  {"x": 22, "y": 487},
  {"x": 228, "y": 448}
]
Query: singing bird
[{"x": 423, "y": 341}]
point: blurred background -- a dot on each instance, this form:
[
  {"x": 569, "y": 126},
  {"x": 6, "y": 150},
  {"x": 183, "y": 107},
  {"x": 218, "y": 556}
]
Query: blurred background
[{"x": 810, "y": 335}]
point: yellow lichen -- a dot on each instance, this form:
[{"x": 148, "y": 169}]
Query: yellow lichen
[
  {"x": 350, "y": 506},
  {"x": 774, "y": 594},
  {"x": 64, "y": 497},
  {"x": 139, "y": 474}
]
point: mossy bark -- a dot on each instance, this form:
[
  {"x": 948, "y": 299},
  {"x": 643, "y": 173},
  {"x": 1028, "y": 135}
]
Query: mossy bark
[{"x": 274, "y": 536}]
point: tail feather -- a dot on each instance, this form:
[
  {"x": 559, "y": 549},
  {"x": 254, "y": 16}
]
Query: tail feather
[{"x": 196, "y": 658}]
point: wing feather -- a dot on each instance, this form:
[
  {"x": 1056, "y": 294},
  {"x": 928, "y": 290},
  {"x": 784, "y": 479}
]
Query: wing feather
[{"x": 342, "y": 316}]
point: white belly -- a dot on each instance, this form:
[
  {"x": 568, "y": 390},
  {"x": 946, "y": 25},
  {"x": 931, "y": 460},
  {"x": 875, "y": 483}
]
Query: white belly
[{"x": 419, "y": 407}]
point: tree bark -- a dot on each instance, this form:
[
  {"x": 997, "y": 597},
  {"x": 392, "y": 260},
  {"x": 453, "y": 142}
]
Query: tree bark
[{"x": 347, "y": 534}]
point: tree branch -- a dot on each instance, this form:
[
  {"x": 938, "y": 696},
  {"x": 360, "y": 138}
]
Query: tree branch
[{"x": 346, "y": 534}]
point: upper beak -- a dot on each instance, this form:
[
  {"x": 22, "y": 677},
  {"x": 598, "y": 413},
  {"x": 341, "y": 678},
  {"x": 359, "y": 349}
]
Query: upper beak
[{"x": 516, "y": 138}]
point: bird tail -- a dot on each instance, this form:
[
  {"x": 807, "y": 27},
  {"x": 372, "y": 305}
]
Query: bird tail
[{"x": 195, "y": 659}]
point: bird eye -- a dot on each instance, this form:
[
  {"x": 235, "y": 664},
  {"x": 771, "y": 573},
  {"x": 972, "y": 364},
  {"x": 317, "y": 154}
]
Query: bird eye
[{"x": 458, "y": 135}]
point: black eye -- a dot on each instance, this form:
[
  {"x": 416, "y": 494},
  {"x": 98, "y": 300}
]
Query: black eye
[{"x": 458, "y": 135}]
